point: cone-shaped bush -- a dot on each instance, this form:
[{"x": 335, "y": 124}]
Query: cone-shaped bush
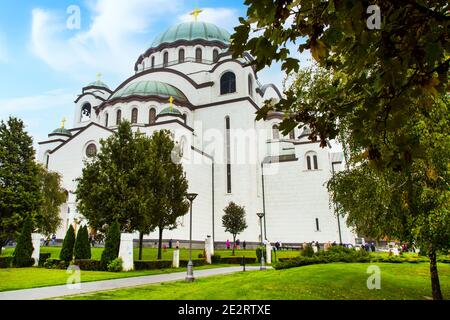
[
  {"x": 66, "y": 253},
  {"x": 112, "y": 244},
  {"x": 82, "y": 249},
  {"x": 24, "y": 249}
]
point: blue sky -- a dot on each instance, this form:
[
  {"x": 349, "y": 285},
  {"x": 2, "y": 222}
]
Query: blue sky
[{"x": 44, "y": 64}]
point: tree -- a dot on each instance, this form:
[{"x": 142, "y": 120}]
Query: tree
[
  {"x": 66, "y": 253},
  {"x": 234, "y": 221},
  {"x": 24, "y": 249},
  {"x": 380, "y": 76},
  {"x": 383, "y": 86},
  {"x": 110, "y": 187},
  {"x": 82, "y": 247},
  {"x": 112, "y": 245},
  {"x": 411, "y": 205},
  {"x": 53, "y": 196},
  {"x": 167, "y": 184},
  {"x": 19, "y": 180}
]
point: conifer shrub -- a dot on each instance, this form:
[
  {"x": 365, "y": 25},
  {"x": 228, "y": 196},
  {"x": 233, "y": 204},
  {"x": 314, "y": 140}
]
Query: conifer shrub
[
  {"x": 24, "y": 249},
  {"x": 82, "y": 248},
  {"x": 66, "y": 253},
  {"x": 112, "y": 244}
]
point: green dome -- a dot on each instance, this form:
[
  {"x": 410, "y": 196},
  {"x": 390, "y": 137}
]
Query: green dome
[
  {"x": 170, "y": 111},
  {"x": 98, "y": 83},
  {"x": 62, "y": 131},
  {"x": 193, "y": 31},
  {"x": 150, "y": 88}
]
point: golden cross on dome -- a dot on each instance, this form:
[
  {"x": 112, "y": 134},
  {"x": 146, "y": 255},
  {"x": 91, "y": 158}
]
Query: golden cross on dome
[
  {"x": 99, "y": 75},
  {"x": 171, "y": 102},
  {"x": 63, "y": 121},
  {"x": 195, "y": 13}
]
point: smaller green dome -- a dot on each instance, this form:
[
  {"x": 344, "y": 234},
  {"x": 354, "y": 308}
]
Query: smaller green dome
[
  {"x": 150, "y": 88},
  {"x": 170, "y": 111},
  {"x": 98, "y": 83},
  {"x": 62, "y": 131}
]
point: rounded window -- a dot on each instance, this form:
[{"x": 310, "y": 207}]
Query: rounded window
[{"x": 91, "y": 150}]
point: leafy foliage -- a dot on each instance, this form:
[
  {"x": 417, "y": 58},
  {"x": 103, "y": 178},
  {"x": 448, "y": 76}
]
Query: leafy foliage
[
  {"x": 20, "y": 194},
  {"x": 24, "y": 249},
  {"x": 66, "y": 253},
  {"x": 234, "y": 220},
  {"x": 112, "y": 244},
  {"x": 115, "y": 265}
]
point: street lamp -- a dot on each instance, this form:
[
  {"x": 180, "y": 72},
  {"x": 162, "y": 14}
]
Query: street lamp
[
  {"x": 263, "y": 267},
  {"x": 190, "y": 266}
]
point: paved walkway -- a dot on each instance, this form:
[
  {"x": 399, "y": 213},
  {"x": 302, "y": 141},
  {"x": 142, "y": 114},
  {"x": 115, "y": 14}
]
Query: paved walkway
[{"x": 65, "y": 290}]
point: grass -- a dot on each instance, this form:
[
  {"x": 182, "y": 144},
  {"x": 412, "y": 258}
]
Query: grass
[
  {"x": 336, "y": 281},
  {"x": 152, "y": 253},
  {"x": 25, "y": 278}
]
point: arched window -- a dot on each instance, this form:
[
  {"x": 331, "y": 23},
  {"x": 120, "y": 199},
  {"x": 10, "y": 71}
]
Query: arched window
[
  {"x": 106, "y": 120},
  {"x": 153, "y": 62},
  {"x": 91, "y": 150},
  {"x": 317, "y": 224},
  {"x": 181, "y": 56},
  {"x": 118, "y": 117},
  {"x": 250, "y": 85},
  {"x": 292, "y": 134},
  {"x": 134, "y": 115},
  {"x": 275, "y": 132},
  {"x": 184, "y": 118},
  {"x": 215, "y": 55},
  {"x": 198, "y": 55},
  {"x": 85, "y": 112},
  {"x": 228, "y": 83},
  {"x": 152, "y": 116},
  {"x": 311, "y": 161},
  {"x": 227, "y": 141},
  {"x": 166, "y": 59}
]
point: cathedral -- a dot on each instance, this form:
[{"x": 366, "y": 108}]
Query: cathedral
[{"x": 187, "y": 82}]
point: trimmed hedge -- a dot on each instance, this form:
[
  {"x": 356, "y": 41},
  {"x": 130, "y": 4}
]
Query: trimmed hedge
[
  {"x": 5, "y": 262},
  {"x": 43, "y": 258},
  {"x": 238, "y": 260},
  {"x": 24, "y": 248},
  {"x": 88, "y": 264},
  {"x": 195, "y": 262},
  {"x": 152, "y": 264},
  {"x": 215, "y": 258},
  {"x": 55, "y": 264}
]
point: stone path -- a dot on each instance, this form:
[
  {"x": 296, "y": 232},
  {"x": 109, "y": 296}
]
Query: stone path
[{"x": 65, "y": 290}]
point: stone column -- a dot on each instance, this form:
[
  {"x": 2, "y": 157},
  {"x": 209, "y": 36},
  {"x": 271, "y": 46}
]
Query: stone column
[
  {"x": 208, "y": 249},
  {"x": 176, "y": 259},
  {"x": 126, "y": 251},
  {"x": 268, "y": 253},
  {"x": 36, "y": 240}
]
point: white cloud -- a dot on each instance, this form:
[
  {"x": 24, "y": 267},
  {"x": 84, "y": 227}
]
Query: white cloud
[
  {"x": 226, "y": 18},
  {"x": 109, "y": 45}
]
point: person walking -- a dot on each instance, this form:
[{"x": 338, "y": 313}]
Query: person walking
[
  {"x": 244, "y": 244},
  {"x": 170, "y": 244},
  {"x": 228, "y": 244},
  {"x": 53, "y": 239}
]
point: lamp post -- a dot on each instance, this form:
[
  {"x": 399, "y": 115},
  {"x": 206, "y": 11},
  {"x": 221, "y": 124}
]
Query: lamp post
[
  {"x": 190, "y": 266},
  {"x": 261, "y": 215}
]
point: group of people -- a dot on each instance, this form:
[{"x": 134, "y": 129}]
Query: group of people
[
  {"x": 49, "y": 240},
  {"x": 369, "y": 247},
  {"x": 237, "y": 244}
]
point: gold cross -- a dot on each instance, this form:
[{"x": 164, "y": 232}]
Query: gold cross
[
  {"x": 195, "y": 13},
  {"x": 171, "y": 103},
  {"x": 99, "y": 75},
  {"x": 63, "y": 121}
]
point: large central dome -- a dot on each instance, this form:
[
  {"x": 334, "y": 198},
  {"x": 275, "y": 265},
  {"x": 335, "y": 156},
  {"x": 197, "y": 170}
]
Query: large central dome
[{"x": 193, "y": 31}]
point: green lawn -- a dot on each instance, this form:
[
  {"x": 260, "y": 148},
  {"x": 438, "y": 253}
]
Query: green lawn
[
  {"x": 327, "y": 281},
  {"x": 24, "y": 278},
  {"x": 152, "y": 253}
]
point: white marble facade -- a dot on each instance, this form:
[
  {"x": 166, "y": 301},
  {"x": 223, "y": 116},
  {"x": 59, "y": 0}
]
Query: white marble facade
[{"x": 206, "y": 100}]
